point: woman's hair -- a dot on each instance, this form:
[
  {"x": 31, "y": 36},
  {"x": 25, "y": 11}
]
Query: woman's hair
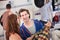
[
  {"x": 12, "y": 26},
  {"x": 22, "y": 10}
]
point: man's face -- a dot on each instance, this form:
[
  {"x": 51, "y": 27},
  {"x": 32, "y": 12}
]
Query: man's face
[{"x": 24, "y": 16}]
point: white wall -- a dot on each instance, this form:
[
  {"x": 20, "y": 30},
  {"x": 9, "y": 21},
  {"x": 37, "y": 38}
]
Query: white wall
[{"x": 16, "y": 5}]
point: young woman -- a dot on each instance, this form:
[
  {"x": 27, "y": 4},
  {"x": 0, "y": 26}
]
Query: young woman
[
  {"x": 29, "y": 26},
  {"x": 12, "y": 28}
]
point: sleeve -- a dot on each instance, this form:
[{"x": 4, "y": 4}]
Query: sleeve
[
  {"x": 43, "y": 22},
  {"x": 39, "y": 25}
]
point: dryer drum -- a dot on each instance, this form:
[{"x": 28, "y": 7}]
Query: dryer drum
[{"x": 39, "y": 3}]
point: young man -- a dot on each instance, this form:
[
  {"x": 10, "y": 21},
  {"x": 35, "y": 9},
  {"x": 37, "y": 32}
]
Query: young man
[{"x": 29, "y": 26}]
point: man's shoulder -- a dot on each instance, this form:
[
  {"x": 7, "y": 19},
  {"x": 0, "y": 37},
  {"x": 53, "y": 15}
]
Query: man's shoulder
[
  {"x": 36, "y": 21},
  {"x": 22, "y": 25}
]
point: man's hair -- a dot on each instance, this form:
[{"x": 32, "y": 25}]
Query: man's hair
[
  {"x": 22, "y": 10},
  {"x": 8, "y": 6}
]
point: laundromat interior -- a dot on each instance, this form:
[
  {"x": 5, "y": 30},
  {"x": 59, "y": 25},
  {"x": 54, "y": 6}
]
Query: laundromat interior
[{"x": 44, "y": 10}]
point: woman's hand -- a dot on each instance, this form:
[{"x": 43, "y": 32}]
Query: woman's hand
[{"x": 30, "y": 38}]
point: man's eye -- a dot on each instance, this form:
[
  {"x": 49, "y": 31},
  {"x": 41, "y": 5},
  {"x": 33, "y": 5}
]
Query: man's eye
[
  {"x": 22, "y": 15},
  {"x": 25, "y": 14}
]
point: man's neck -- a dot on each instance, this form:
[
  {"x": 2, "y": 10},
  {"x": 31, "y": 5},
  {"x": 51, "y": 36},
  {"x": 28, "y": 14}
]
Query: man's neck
[
  {"x": 27, "y": 22},
  {"x": 8, "y": 9}
]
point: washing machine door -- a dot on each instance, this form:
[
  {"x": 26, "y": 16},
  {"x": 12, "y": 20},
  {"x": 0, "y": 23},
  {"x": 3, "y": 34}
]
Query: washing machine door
[{"x": 39, "y": 3}]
